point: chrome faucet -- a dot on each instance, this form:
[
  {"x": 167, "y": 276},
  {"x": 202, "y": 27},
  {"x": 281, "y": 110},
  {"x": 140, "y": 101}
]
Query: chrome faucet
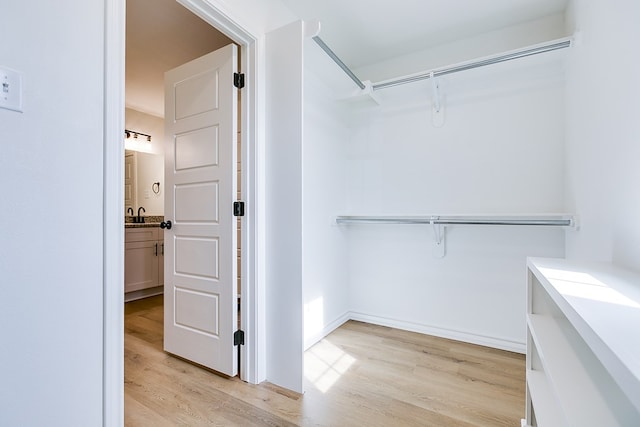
[{"x": 140, "y": 219}]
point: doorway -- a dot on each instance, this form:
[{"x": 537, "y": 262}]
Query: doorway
[
  {"x": 114, "y": 164},
  {"x": 160, "y": 36}
]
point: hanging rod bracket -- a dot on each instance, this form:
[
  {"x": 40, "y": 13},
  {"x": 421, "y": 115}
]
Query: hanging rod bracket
[
  {"x": 439, "y": 232},
  {"x": 437, "y": 109},
  {"x": 436, "y": 92},
  {"x": 437, "y": 229}
]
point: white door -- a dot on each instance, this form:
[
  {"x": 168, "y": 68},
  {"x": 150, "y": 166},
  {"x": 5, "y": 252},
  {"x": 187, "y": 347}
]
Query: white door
[{"x": 200, "y": 306}]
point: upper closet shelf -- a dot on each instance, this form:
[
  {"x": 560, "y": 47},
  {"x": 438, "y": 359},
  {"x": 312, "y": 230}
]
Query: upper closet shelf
[{"x": 536, "y": 49}]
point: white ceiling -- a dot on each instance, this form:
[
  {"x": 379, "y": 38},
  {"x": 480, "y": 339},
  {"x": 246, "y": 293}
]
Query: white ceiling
[{"x": 161, "y": 34}]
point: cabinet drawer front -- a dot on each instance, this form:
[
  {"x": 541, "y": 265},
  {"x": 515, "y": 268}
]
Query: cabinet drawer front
[{"x": 141, "y": 234}]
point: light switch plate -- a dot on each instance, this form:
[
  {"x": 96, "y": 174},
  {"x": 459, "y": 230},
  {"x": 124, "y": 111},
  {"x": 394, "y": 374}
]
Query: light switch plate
[{"x": 10, "y": 89}]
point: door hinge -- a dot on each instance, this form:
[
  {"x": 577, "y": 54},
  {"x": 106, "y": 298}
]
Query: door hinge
[
  {"x": 238, "y": 337},
  {"x": 238, "y": 80},
  {"x": 238, "y": 208}
]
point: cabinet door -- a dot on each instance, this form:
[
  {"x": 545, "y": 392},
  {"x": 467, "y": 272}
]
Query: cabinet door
[
  {"x": 160, "y": 261},
  {"x": 141, "y": 265}
]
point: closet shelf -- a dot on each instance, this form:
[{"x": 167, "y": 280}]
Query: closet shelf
[
  {"x": 561, "y": 220},
  {"x": 548, "y": 409},
  {"x": 524, "y": 52},
  {"x": 559, "y": 348},
  {"x": 583, "y": 363}
]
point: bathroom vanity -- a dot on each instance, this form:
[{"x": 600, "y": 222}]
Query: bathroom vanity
[{"x": 143, "y": 260}]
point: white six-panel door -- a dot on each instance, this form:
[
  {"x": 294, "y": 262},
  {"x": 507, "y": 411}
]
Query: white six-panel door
[{"x": 200, "y": 314}]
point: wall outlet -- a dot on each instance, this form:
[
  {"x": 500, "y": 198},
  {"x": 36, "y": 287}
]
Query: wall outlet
[{"x": 10, "y": 89}]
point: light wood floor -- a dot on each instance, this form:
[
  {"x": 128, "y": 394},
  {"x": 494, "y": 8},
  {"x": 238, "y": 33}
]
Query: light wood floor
[{"x": 360, "y": 375}]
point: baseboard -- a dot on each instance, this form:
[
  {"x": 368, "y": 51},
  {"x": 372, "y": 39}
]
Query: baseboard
[
  {"x": 309, "y": 341},
  {"x": 502, "y": 344},
  {"x": 143, "y": 293}
]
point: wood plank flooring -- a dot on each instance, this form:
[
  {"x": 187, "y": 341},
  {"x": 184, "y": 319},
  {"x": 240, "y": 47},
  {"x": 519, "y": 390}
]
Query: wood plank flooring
[{"x": 360, "y": 375}]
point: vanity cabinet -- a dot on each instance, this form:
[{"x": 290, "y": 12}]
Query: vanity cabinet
[{"x": 143, "y": 259}]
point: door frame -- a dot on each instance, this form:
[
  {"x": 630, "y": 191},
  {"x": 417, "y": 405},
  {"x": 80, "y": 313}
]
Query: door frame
[{"x": 252, "y": 367}]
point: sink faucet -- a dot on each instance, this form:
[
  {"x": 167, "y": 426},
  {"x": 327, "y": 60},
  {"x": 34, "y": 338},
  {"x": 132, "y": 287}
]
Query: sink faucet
[
  {"x": 140, "y": 219},
  {"x": 130, "y": 209}
]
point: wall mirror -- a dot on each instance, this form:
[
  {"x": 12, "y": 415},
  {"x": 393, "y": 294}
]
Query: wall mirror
[{"x": 144, "y": 183}]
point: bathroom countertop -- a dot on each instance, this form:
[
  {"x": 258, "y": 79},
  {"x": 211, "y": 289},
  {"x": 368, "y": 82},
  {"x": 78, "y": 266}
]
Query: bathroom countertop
[
  {"x": 141, "y": 225},
  {"x": 149, "y": 221}
]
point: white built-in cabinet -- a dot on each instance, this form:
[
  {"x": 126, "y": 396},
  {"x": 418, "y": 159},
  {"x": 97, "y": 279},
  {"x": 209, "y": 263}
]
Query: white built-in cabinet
[
  {"x": 583, "y": 344},
  {"x": 143, "y": 261}
]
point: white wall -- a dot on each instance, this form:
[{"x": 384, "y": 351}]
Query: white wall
[
  {"x": 51, "y": 254},
  {"x": 283, "y": 157},
  {"x": 146, "y": 123},
  {"x": 602, "y": 129},
  {"x": 325, "y": 141},
  {"x": 500, "y": 151},
  {"x": 498, "y": 41},
  {"x": 150, "y": 170}
]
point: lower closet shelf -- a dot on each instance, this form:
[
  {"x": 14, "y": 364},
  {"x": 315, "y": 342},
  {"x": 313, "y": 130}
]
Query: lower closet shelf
[
  {"x": 548, "y": 412},
  {"x": 566, "y": 367},
  {"x": 582, "y": 367}
]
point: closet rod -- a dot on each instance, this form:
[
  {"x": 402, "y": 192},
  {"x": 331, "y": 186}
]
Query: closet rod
[
  {"x": 558, "y": 221},
  {"x": 522, "y": 53},
  {"x": 338, "y": 61}
]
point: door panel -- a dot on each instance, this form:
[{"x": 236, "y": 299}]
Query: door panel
[
  {"x": 196, "y": 94},
  {"x": 197, "y": 202},
  {"x": 200, "y": 174},
  {"x": 197, "y": 311},
  {"x": 197, "y": 257},
  {"x": 197, "y": 149}
]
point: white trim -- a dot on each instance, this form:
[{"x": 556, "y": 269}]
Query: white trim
[
  {"x": 326, "y": 330},
  {"x": 222, "y": 22},
  {"x": 252, "y": 367},
  {"x": 451, "y": 334},
  {"x": 499, "y": 343},
  {"x": 113, "y": 218}
]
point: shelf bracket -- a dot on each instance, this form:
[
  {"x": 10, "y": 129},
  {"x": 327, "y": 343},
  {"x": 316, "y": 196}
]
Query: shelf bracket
[
  {"x": 439, "y": 233},
  {"x": 437, "y": 107}
]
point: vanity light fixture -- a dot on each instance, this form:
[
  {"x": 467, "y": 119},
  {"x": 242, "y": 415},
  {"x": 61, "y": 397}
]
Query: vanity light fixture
[{"x": 128, "y": 133}]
